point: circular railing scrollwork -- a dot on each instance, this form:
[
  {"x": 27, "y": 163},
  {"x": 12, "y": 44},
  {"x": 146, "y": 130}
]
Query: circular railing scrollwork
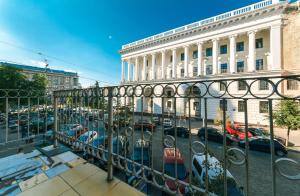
[
  {"x": 232, "y": 156},
  {"x": 290, "y": 177}
]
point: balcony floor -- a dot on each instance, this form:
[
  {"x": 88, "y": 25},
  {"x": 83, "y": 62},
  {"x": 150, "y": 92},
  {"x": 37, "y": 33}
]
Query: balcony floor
[{"x": 84, "y": 179}]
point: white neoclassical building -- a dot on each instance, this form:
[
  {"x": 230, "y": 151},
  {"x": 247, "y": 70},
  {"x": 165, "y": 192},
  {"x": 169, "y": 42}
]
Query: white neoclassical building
[{"x": 241, "y": 43}]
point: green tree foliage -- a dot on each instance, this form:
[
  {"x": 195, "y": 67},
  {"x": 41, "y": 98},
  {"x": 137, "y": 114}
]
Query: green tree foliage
[
  {"x": 12, "y": 78},
  {"x": 287, "y": 115}
]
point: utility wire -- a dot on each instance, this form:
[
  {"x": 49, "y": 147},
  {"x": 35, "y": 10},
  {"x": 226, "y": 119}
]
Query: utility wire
[{"x": 51, "y": 57}]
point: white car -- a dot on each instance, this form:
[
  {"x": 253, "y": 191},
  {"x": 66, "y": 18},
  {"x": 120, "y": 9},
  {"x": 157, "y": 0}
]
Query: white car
[
  {"x": 215, "y": 173},
  {"x": 85, "y": 138},
  {"x": 167, "y": 122}
]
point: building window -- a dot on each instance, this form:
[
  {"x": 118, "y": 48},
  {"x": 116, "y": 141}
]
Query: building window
[
  {"x": 259, "y": 43},
  {"x": 221, "y": 104},
  {"x": 208, "y": 51},
  {"x": 182, "y": 56},
  {"x": 195, "y": 54},
  {"x": 182, "y": 72},
  {"x": 263, "y": 85},
  {"x": 195, "y": 71},
  {"x": 208, "y": 69},
  {"x": 169, "y": 104},
  {"x": 196, "y": 106},
  {"x": 263, "y": 107},
  {"x": 171, "y": 73},
  {"x": 223, "y": 49},
  {"x": 224, "y": 68},
  {"x": 242, "y": 86},
  {"x": 171, "y": 59},
  {"x": 147, "y": 63},
  {"x": 240, "y": 46},
  {"x": 240, "y": 66},
  {"x": 292, "y": 85},
  {"x": 259, "y": 64},
  {"x": 223, "y": 86},
  {"x": 241, "y": 106},
  {"x": 169, "y": 93}
]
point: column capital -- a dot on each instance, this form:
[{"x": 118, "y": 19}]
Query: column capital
[
  {"x": 163, "y": 51},
  {"x": 200, "y": 43},
  {"x": 273, "y": 26},
  {"x": 153, "y": 53},
  {"x": 215, "y": 39},
  {"x": 252, "y": 32},
  {"x": 233, "y": 36},
  {"x": 174, "y": 49},
  {"x": 186, "y": 45}
]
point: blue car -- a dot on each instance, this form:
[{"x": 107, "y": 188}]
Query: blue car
[{"x": 141, "y": 154}]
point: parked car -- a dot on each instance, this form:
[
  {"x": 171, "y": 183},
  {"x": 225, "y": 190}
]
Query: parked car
[
  {"x": 156, "y": 120},
  {"x": 181, "y": 131},
  {"x": 215, "y": 175},
  {"x": 147, "y": 126},
  {"x": 170, "y": 159},
  {"x": 85, "y": 138},
  {"x": 215, "y": 135},
  {"x": 257, "y": 131},
  {"x": 141, "y": 154},
  {"x": 75, "y": 133},
  {"x": 262, "y": 144},
  {"x": 167, "y": 122},
  {"x": 238, "y": 133}
]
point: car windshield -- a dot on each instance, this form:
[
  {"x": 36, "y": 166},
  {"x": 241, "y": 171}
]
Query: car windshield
[
  {"x": 83, "y": 138},
  {"x": 98, "y": 142},
  {"x": 71, "y": 133},
  {"x": 170, "y": 170}
]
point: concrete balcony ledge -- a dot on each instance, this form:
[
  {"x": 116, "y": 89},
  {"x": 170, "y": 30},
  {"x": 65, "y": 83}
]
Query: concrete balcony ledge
[
  {"x": 50, "y": 171},
  {"x": 84, "y": 179}
]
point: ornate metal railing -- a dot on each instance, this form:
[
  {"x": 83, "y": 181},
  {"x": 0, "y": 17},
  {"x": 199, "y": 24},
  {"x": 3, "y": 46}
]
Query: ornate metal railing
[
  {"x": 25, "y": 117},
  {"x": 127, "y": 128}
]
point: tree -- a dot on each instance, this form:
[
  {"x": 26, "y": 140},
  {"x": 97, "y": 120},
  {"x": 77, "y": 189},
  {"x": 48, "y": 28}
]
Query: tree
[
  {"x": 287, "y": 115},
  {"x": 39, "y": 82},
  {"x": 12, "y": 78}
]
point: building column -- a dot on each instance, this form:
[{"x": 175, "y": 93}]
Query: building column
[
  {"x": 215, "y": 55},
  {"x": 275, "y": 46},
  {"x": 129, "y": 70},
  {"x": 174, "y": 59},
  {"x": 200, "y": 67},
  {"x": 204, "y": 66},
  {"x": 123, "y": 70},
  {"x": 153, "y": 66},
  {"x": 186, "y": 61},
  {"x": 232, "y": 58},
  {"x": 144, "y": 67},
  {"x": 251, "y": 52},
  {"x": 136, "y": 69},
  {"x": 163, "y": 64}
]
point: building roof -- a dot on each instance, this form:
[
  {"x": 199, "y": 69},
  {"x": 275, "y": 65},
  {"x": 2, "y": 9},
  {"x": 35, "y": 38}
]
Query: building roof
[
  {"x": 37, "y": 69},
  {"x": 221, "y": 17}
]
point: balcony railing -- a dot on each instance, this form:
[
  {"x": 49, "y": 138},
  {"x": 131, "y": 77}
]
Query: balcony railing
[{"x": 148, "y": 134}]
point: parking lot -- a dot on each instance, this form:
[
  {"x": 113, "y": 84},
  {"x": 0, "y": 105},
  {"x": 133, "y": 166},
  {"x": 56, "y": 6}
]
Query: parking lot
[{"x": 260, "y": 178}]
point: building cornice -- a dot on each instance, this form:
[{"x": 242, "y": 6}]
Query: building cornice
[{"x": 190, "y": 31}]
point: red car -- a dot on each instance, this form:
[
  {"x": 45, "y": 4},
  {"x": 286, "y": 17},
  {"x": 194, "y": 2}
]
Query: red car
[
  {"x": 237, "y": 133},
  {"x": 147, "y": 126},
  {"x": 170, "y": 160}
]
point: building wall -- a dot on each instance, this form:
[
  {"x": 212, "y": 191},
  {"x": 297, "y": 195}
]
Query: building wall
[{"x": 291, "y": 48}]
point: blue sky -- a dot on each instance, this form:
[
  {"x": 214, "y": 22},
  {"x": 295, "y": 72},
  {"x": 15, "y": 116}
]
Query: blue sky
[{"x": 86, "y": 35}]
